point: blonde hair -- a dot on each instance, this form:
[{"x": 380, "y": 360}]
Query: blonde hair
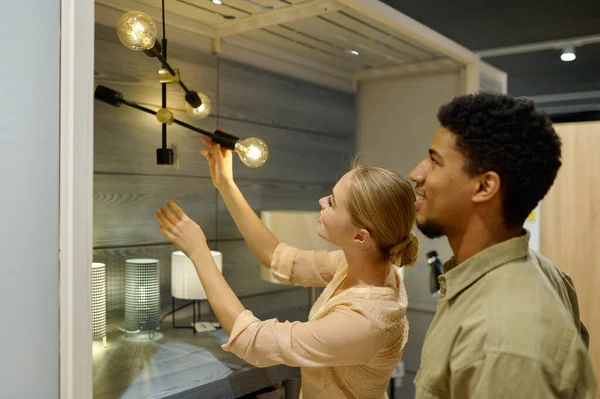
[{"x": 382, "y": 202}]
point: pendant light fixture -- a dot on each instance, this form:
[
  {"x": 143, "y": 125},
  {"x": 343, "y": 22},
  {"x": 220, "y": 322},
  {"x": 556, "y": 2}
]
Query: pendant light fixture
[{"x": 137, "y": 31}]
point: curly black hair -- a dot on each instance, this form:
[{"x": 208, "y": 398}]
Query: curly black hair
[{"x": 509, "y": 136}]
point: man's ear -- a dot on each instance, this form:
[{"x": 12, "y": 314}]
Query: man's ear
[{"x": 488, "y": 187}]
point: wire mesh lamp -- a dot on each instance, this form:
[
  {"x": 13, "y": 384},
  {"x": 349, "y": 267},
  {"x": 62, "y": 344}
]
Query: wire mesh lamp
[
  {"x": 99, "y": 302},
  {"x": 142, "y": 298}
]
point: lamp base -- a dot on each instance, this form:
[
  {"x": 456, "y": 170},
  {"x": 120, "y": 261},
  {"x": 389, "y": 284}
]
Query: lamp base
[
  {"x": 206, "y": 326},
  {"x": 173, "y": 310},
  {"x": 142, "y": 336}
]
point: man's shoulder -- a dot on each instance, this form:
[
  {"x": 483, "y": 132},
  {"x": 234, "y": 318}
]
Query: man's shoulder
[{"x": 519, "y": 313}]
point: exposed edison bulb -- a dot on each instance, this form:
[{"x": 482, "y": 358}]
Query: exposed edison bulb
[
  {"x": 136, "y": 31},
  {"x": 253, "y": 152},
  {"x": 203, "y": 110}
]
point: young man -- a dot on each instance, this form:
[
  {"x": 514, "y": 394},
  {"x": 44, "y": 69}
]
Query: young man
[{"x": 507, "y": 321}]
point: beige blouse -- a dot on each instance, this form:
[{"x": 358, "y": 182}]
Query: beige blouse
[{"x": 352, "y": 341}]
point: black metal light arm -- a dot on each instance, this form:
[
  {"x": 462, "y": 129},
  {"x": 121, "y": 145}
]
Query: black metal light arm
[{"x": 115, "y": 99}]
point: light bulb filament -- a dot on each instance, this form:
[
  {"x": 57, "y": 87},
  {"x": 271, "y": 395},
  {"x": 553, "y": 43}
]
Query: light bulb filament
[{"x": 254, "y": 152}]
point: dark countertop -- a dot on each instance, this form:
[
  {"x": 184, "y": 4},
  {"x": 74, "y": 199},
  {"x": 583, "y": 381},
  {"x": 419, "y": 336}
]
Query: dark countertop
[{"x": 178, "y": 365}]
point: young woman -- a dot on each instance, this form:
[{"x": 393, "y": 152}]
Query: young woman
[{"x": 357, "y": 328}]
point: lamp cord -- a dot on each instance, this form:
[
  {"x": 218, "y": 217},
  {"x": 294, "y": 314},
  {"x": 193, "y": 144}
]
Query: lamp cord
[
  {"x": 164, "y": 85},
  {"x": 172, "y": 312},
  {"x": 163, "y": 19},
  {"x": 218, "y": 109}
]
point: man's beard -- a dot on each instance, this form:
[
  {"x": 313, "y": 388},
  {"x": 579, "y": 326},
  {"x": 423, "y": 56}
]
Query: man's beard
[{"x": 431, "y": 229}]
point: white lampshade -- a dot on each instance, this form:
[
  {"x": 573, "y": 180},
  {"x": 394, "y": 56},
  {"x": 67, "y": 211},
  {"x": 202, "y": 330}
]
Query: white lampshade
[
  {"x": 98, "y": 301},
  {"x": 185, "y": 283},
  {"x": 295, "y": 228},
  {"x": 142, "y": 294}
]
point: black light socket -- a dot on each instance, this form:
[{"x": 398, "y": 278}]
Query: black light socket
[
  {"x": 108, "y": 96},
  {"x": 192, "y": 98},
  {"x": 154, "y": 51},
  {"x": 226, "y": 140}
]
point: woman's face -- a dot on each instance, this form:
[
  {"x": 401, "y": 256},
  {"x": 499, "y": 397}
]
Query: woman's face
[{"x": 334, "y": 223}]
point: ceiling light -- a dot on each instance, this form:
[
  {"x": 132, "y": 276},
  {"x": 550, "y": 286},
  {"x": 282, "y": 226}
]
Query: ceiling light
[
  {"x": 137, "y": 31},
  {"x": 352, "y": 52},
  {"x": 568, "y": 54},
  {"x": 217, "y": 2}
]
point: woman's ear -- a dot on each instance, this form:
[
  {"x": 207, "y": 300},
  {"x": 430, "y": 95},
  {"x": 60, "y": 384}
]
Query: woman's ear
[{"x": 361, "y": 237}]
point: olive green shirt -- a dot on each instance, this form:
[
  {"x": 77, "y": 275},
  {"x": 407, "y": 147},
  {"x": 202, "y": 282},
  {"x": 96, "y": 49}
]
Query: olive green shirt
[{"x": 506, "y": 326}]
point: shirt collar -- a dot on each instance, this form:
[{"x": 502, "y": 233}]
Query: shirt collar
[{"x": 457, "y": 278}]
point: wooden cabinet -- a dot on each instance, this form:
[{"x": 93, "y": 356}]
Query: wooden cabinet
[{"x": 570, "y": 224}]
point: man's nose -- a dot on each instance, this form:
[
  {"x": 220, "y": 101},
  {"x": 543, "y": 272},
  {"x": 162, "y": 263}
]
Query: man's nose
[{"x": 418, "y": 173}]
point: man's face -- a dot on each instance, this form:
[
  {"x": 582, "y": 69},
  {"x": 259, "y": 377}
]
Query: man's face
[{"x": 444, "y": 190}]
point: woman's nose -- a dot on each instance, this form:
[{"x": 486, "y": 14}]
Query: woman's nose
[{"x": 322, "y": 202}]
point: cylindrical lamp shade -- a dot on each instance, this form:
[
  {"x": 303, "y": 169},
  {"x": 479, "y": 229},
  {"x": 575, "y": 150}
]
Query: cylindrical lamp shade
[
  {"x": 142, "y": 294},
  {"x": 185, "y": 283},
  {"x": 98, "y": 300}
]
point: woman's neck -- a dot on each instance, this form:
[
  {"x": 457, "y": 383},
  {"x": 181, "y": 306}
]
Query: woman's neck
[{"x": 365, "y": 268}]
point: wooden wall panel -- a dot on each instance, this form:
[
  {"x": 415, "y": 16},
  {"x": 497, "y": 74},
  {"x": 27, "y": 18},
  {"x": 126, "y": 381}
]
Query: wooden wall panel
[
  {"x": 254, "y": 95},
  {"x": 570, "y": 225},
  {"x": 293, "y": 155},
  {"x": 271, "y": 196},
  {"x": 124, "y": 206},
  {"x": 125, "y": 141}
]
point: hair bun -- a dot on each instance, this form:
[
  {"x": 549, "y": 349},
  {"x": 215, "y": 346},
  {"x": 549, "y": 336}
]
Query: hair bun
[
  {"x": 401, "y": 246},
  {"x": 406, "y": 252}
]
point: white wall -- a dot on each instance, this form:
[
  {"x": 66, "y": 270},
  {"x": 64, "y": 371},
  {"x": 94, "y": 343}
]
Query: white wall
[
  {"x": 396, "y": 122},
  {"x": 29, "y": 110}
]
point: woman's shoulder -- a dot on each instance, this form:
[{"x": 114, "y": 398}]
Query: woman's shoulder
[{"x": 385, "y": 307}]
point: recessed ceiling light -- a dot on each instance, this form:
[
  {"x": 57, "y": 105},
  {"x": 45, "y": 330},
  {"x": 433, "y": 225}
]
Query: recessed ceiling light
[
  {"x": 352, "y": 52},
  {"x": 568, "y": 54},
  {"x": 218, "y": 2}
]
